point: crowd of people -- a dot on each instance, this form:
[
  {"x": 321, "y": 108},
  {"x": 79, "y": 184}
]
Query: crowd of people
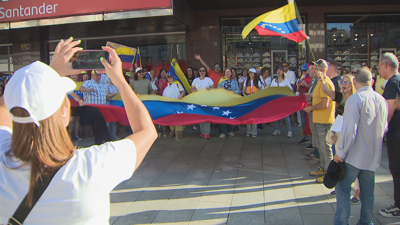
[{"x": 367, "y": 115}]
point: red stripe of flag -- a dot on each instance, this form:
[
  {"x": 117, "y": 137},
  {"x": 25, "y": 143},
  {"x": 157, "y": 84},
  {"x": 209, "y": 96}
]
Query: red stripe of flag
[{"x": 298, "y": 36}]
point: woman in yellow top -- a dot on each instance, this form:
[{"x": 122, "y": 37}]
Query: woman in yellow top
[{"x": 251, "y": 86}]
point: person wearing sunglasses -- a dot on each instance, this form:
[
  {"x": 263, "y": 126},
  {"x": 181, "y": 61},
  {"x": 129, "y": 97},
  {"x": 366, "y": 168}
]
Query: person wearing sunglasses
[
  {"x": 139, "y": 84},
  {"x": 200, "y": 83},
  {"x": 215, "y": 74}
]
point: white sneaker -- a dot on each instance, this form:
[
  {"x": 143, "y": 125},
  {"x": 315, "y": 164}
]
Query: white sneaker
[
  {"x": 231, "y": 134},
  {"x": 276, "y": 132},
  {"x": 194, "y": 128},
  {"x": 289, "y": 134},
  {"x": 222, "y": 136}
]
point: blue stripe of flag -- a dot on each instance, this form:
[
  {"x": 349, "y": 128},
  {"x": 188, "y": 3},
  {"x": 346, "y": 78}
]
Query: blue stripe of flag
[{"x": 282, "y": 28}]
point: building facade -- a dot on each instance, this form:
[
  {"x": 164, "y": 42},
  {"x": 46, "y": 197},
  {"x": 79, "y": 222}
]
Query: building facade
[{"x": 352, "y": 32}]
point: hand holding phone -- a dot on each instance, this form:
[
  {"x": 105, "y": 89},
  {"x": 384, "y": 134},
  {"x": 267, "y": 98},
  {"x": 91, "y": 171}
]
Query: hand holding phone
[{"x": 89, "y": 59}]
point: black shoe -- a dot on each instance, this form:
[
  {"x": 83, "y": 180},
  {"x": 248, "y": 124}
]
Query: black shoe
[
  {"x": 304, "y": 141},
  {"x": 310, "y": 147}
]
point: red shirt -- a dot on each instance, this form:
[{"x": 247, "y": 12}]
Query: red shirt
[{"x": 215, "y": 77}]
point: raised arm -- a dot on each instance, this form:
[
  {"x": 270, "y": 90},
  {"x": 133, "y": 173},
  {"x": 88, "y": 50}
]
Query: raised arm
[
  {"x": 144, "y": 133},
  {"x": 198, "y": 57},
  {"x": 324, "y": 86}
]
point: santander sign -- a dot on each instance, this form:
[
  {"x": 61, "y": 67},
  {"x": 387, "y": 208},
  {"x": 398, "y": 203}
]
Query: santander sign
[{"x": 21, "y": 10}]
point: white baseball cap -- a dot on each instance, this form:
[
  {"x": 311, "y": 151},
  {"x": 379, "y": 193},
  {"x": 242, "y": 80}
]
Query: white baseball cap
[
  {"x": 39, "y": 90},
  {"x": 253, "y": 70},
  {"x": 138, "y": 69}
]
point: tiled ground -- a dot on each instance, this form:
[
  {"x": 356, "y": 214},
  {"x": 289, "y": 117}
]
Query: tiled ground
[{"x": 236, "y": 180}]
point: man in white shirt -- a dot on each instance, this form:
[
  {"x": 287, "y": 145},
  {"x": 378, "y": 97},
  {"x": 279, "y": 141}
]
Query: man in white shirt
[{"x": 289, "y": 74}]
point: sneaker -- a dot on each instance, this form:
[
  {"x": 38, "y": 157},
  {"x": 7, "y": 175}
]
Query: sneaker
[
  {"x": 319, "y": 172},
  {"x": 194, "y": 128},
  {"x": 311, "y": 156},
  {"x": 392, "y": 211},
  {"x": 289, "y": 134},
  {"x": 208, "y": 137},
  {"x": 78, "y": 138},
  {"x": 247, "y": 135},
  {"x": 320, "y": 179},
  {"x": 276, "y": 132},
  {"x": 355, "y": 201},
  {"x": 253, "y": 136},
  {"x": 333, "y": 193},
  {"x": 201, "y": 135},
  {"x": 231, "y": 134},
  {"x": 222, "y": 136},
  {"x": 310, "y": 147},
  {"x": 304, "y": 141}
]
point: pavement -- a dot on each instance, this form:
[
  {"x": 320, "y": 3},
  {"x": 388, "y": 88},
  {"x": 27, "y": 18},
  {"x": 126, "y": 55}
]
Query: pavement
[{"x": 236, "y": 180}]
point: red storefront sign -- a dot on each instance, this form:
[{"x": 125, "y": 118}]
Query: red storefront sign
[{"x": 19, "y": 10}]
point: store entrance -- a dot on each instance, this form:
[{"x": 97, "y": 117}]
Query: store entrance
[{"x": 6, "y": 59}]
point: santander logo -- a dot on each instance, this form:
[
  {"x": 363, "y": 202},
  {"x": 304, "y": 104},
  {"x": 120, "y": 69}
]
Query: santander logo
[{"x": 23, "y": 11}]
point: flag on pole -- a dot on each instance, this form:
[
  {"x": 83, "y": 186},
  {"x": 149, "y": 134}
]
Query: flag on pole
[
  {"x": 176, "y": 71},
  {"x": 280, "y": 22},
  {"x": 138, "y": 60},
  {"x": 125, "y": 53}
]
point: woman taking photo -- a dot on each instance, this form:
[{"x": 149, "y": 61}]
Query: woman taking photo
[
  {"x": 161, "y": 81},
  {"x": 35, "y": 147},
  {"x": 140, "y": 85},
  {"x": 252, "y": 85},
  {"x": 280, "y": 81},
  {"x": 230, "y": 85},
  {"x": 200, "y": 83},
  {"x": 174, "y": 90}
]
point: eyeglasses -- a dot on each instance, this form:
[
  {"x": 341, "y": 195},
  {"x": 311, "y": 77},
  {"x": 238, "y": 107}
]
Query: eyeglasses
[
  {"x": 353, "y": 72},
  {"x": 217, "y": 67},
  {"x": 140, "y": 71},
  {"x": 345, "y": 82},
  {"x": 286, "y": 66},
  {"x": 170, "y": 76},
  {"x": 202, "y": 71}
]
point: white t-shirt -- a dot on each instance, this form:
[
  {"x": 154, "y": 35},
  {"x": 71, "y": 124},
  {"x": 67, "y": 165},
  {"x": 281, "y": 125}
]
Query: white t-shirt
[
  {"x": 291, "y": 76},
  {"x": 202, "y": 84},
  {"x": 79, "y": 193},
  {"x": 172, "y": 90},
  {"x": 284, "y": 83}
]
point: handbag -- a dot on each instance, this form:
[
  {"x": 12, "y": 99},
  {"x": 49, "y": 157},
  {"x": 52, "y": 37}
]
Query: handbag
[{"x": 23, "y": 209}]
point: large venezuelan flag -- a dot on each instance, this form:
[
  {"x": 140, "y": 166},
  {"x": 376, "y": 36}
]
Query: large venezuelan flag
[
  {"x": 280, "y": 22},
  {"x": 175, "y": 70},
  {"x": 125, "y": 53},
  {"x": 213, "y": 106}
]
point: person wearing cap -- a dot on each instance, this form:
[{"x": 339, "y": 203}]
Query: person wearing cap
[
  {"x": 232, "y": 85},
  {"x": 302, "y": 88},
  {"x": 323, "y": 110},
  {"x": 215, "y": 74},
  {"x": 200, "y": 83},
  {"x": 282, "y": 81},
  {"x": 146, "y": 72},
  {"x": 364, "y": 123},
  {"x": 139, "y": 84},
  {"x": 174, "y": 90},
  {"x": 252, "y": 85},
  {"x": 94, "y": 93},
  {"x": 36, "y": 146},
  {"x": 389, "y": 70}
]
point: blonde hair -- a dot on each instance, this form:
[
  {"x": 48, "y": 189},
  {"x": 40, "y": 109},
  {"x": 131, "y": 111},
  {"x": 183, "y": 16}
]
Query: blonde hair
[
  {"x": 353, "y": 89},
  {"x": 47, "y": 148}
]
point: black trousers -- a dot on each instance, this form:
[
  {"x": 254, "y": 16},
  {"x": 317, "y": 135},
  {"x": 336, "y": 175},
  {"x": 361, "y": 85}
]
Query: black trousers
[
  {"x": 101, "y": 134},
  {"x": 393, "y": 149}
]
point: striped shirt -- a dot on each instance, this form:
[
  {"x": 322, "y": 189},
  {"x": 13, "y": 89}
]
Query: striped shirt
[
  {"x": 104, "y": 79},
  {"x": 96, "y": 97}
]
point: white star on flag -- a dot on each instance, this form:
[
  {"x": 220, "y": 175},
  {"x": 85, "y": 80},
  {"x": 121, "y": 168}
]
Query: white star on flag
[
  {"x": 191, "y": 107},
  {"x": 203, "y": 106},
  {"x": 179, "y": 112},
  {"x": 279, "y": 28},
  {"x": 283, "y": 32},
  {"x": 275, "y": 27},
  {"x": 226, "y": 113},
  {"x": 232, "y": 118},
  {"x": 215, "y": 108}
]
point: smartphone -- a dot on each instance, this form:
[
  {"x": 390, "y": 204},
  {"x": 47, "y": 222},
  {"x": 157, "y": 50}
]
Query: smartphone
[{"x": 89, "y": 59}]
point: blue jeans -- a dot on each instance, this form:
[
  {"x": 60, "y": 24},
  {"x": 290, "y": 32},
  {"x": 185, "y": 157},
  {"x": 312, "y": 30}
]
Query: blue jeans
[
  {"x": 367, "y": 197},
  {"x": 287, "y": 121},
  {"x": 226, "y": 128}
]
